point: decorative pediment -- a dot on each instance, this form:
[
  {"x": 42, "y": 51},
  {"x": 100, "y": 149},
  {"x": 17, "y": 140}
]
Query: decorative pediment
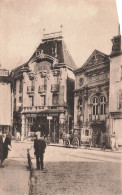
[{"x": 95, "y": 58}]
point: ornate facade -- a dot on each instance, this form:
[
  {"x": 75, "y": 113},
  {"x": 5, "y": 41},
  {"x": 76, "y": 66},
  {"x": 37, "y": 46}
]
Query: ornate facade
[
  {"x": 115, "y": 98},
  {"x": 43, "y": 88},
  {"x": 91, "y": 97}
]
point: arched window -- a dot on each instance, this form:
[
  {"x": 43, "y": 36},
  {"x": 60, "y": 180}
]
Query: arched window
[
  {"x": 80, "y": 105},
  {"x": 95, "y": 106},
  {"x": 102, "y": 105}
]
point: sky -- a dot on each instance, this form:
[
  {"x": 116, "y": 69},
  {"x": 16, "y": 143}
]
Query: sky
[{"x": 87, "y": 25}]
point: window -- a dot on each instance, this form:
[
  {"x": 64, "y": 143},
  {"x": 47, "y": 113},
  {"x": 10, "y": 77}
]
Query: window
[
  {"x": 14, "y": 89},
  {"x": 32, "y": 100},
  {"x": 45, "y": 83},
  {"x": 121, "y": 73},
  {"x": 95, "y": 106},
  {"x": 55, "y": 99},
  {"x": 87, "y": 133},
  {"x": 14, "y": 103},
  {"x": 102, "y": 105},
  {"x": 43, "y": 100},
  {"x": 20, "y": 99},
  {"x": 80, "y": 104},
  {"x": 120, "y": 99},
  {"x": 20, "y": 86}
]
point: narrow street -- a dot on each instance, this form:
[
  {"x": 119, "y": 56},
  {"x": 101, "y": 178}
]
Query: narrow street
[{"x": 78, "y": 171}]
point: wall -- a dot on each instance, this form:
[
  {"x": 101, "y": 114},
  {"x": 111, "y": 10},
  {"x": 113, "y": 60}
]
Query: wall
[{"x": 5, "y": 104}]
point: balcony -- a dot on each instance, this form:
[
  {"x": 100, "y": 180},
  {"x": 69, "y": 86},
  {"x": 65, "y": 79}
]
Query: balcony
[
  {"x": 34, "y": 109},
  {"x": 93, "y": 118},
  {"x": 55, "y": 88},
  {"x": 42, "y": 88},
  {"x": 30, "y": 90}
]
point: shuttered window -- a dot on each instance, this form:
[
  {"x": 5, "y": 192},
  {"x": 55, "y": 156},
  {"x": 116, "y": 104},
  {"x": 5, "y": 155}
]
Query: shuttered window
[{"x": 61, "y": 96}]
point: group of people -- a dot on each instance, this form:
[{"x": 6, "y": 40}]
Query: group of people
[{"x": 5, "y": 146}]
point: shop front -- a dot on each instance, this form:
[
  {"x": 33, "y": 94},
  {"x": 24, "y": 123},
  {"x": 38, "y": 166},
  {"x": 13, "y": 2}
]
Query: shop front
[{"x": 46, "y": 121}]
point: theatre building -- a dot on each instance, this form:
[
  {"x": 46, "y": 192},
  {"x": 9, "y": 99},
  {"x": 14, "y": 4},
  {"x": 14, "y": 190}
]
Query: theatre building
[
  {"x": 43, "y": 89},
  {"x": 6, "y": 111},
  {"x": 115, "y": 98},
  {"x": 91, "y": 97}
]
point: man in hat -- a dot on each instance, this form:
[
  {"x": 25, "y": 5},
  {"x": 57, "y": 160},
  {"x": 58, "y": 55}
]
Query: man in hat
[{"x": 39, "y": 146}]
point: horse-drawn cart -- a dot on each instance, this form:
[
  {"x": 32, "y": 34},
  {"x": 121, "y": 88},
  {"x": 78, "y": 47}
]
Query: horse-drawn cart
[{"x": 72, "y": 139}]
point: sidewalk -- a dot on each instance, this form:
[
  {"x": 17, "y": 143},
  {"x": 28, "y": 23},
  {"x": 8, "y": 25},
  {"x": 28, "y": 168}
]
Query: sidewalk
[
  {"x": 14, "y": 177},
  {"x": 60, "y": 144}
]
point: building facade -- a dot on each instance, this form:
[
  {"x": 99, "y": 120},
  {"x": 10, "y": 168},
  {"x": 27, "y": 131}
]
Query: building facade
[
  {"x": 43, "y": 89},
  {"x": 115, "y": 97},
  {"x": 91, "y": 97},
  {"x": 6, "y": 112}
]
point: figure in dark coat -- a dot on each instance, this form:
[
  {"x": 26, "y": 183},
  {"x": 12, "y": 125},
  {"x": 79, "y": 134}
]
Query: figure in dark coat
[
  {"x": 4, "y": 148},
  {"x": 39, "y": 146}
]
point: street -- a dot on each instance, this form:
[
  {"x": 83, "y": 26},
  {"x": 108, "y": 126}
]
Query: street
[
  {"x": 67, "y": 171},
  {"x": 78, "y": 171}
]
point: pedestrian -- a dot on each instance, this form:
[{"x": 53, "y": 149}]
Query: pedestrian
[
  {"x": 39, "y": 147},
  {"x": 104, "y": 140},
  {"x": 5, "y": 142},
  {"x": 116, "y": 141},
  {"x": 18, "y": 136},
  {"x": 112, "y": 142}
]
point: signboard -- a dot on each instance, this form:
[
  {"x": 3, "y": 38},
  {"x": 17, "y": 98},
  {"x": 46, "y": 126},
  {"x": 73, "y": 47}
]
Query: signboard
[{"x": 49, "y": 117}]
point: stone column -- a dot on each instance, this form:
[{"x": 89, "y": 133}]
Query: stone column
[{"x": 23, "y": 127}]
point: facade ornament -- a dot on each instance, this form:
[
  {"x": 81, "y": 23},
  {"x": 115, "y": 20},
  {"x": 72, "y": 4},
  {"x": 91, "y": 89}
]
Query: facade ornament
[
  {"x": 43, "y": 73},
  {"x": 56, "y": 72}
]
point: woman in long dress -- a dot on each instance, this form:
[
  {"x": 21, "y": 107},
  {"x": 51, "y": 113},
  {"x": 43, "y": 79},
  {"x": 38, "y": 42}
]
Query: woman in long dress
[{"x": 113, "y": 141}]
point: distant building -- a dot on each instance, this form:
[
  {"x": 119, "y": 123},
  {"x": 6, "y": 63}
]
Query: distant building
[
  {"x": 6, "y": 111},
  {"x": 43, "y": 89},
  {"x": 115, "y": 97},
  {"x": 91, "y": 97}
]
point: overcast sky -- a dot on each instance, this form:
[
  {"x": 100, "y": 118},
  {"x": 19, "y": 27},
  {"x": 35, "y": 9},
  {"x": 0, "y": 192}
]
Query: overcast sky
[{"x": 87, "y": 25}]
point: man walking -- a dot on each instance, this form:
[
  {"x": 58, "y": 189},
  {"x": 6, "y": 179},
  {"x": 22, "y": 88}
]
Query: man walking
[{"x": 39, "y": 146}]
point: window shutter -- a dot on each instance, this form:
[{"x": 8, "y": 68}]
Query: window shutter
[
  {"x": 117, "y": 74},
  {"x": 120, "y": 98},
  {"x": 61, "y": 96}
]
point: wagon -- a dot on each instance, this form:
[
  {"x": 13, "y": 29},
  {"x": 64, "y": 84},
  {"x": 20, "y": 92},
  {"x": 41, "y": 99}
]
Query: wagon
[{"x": 71, "y": 140}]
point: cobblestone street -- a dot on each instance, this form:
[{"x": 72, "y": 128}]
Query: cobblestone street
[{"x": 89, "y": 172}]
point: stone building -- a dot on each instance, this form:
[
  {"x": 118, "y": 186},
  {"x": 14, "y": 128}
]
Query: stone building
[
  {"x": 6, "y": 112},
  {"x": 91, "y": 97},
  {"x": 115, "y": 97},
  {"x": 43, "y": 89}
]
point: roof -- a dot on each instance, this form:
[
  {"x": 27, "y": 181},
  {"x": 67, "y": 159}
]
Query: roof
[
  {"x": 18, "y": 69},
  {"x": 56, "y": 48},
  {"x": 94, "y": 59}
]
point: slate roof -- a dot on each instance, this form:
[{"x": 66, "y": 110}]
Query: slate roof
[{"x": 63, "y": 56}]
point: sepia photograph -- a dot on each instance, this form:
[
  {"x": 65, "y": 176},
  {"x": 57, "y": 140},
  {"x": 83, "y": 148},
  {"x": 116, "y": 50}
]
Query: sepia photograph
[{"x": 60, "y": 97}]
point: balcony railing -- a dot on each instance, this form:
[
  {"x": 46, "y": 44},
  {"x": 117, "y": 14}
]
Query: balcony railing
[
  {"x": 30, "y": 89},
  {"x": 42, "y": 88},
  {"x": 55, "y": 88},
  {"x": 34, "y": 109},
  {"x": 96, "y": 117}
]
